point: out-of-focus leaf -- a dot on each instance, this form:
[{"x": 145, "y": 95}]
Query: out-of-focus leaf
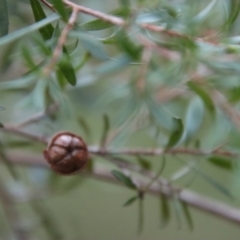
[
  {"x": 165, "y": 213},
  {"x": 27, "y": 30},
  {"x": 66, "y": 68},
  {"x": 126, "y": 44},
  {"x": 61, "y": 9},
  {"x": 144, "y": 163},
  {"x": 39, "y": 14},
  {"x": 187, "y": 215},
  {"x": 160, "y": 115},
  {"x": 106, "y": 127},
  {"x": 27, "y": 56},
  {"x": 200, "y": 17},
  {"x": 3, "y": 18},
  {"x": 124, "y": 179},
  {"x": 2, "y": 108},
  {"x": 203, "y": 95},
  {"x": 130, "y": 201},
  {"x": 84, "y": 125},
  {"x": 6, "y": 57},
  {"x": 221, "y": 162},
  {"x": 20, "y": 83},
  {"x": 176, "y": 134},
  {"x": 178, "y": 210},
  {"x": 113, "y": 65},
  {"x": 100, "y": 24},
  {"x": 233, "y": 13},
  {"x": 92, "y": 45},
  {"x": 194, "y": 117},
  {"x": 140, "y": 215},
  {"x": 1, "y": 125},
  {"x": 47, "y": 33},
  {"x": 210, "y": 180}
]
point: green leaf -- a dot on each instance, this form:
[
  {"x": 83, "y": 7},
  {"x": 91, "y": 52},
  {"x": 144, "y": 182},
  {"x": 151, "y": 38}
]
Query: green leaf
[
  {"x": 27, "y": 30},
  {"x": 1, "y": 125},
  {"x": 92, "y": 45},
  {"x": 61, "y": 9},
  {"x": 106, "y": 127},
  {"x": 124, "y": 179},
  {"x": 200, "y": 17},
  {"x": 47, "y": 32},
  {"x": 126, "y": 44},
  {"x": 187, "y": 215},
  {"x": 194, "y": 118},
  {"x": 100, "y": 24},
  {"x": 3, "y": 18},
  {"x": 144, "y": 163},
  {"x": 165, "y": 212},
  {"x": 233, "y": 13},
  {"x": 176, "y": 134},
  {"x": 130, "y": 201},
  {"x": 203, "y": 95},
  {"x": 28, "y": 59},
  {"x": 39, "y": 14},
  {"x": 66, "y": 68},
  {"x": 85, "y": 126},
  {"x": 160, "y": 115},
  {"x": 221, "y": 162}
]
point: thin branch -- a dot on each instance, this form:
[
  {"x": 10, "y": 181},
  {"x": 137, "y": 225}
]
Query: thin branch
[
  {"x": 131, "y": 152},
  {"x": 61, "y": 41},
  {"x": 48, "y": 5},
  {"x": 106, "y": 17},
  {"x": 19, "y": 132},
  {"x": 120, "y": 22},
  {"x": 195, "y": 200},
  {"x": 159, "y": 151}
]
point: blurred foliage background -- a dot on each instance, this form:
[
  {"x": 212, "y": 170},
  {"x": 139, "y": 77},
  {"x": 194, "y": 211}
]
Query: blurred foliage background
[{"x": 168, "y": 79}]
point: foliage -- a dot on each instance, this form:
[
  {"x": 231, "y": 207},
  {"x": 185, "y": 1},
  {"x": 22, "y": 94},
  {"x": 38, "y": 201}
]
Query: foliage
[{"x": 158, "y": 75}]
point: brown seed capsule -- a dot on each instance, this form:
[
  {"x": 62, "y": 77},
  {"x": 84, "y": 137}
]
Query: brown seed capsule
[{"x": 66, "y": 153}]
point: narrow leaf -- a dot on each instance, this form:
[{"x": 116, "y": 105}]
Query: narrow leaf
[
  {"x": 194, "y": 117},
  {"x": 93, "y": 46},
  {"x": 106, "y": 127},
  {"x": 144, "y": 163},
  {"x": 39, "y": 14},
  {"x": 66, "y": 68},
  {"x": 187, "y": 215},
  {"x": 59, "y": 6},
  {"x": 124, "y": 179},
  {"x": 176, "y": 134},
  {"x": 27, "y": 30},
  {"x": 130, "y": 201},
  {"x": 3, "y": 18},
  {"x": 221, "y": 162},
  {"x": 164, "y": 209},
  {"x": 203, "y": 95},
  {"x": 126, "y": 44}
]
